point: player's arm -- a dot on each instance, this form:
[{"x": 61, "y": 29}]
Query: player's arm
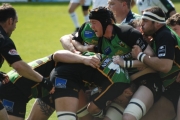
[
  {"x": 165, "y": 54},
  {"x": 66, "y": 42},
  {"x": 25, "y": 70},
  {"x": 81, "y": 47},
  {"x": 66, "y": 56}
]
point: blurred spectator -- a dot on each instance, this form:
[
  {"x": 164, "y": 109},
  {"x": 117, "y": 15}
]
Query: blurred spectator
[
  {"x": 174, "y": 23},
  {"x": 166, "y": 5},
  {"x": 73, "y": 6}
]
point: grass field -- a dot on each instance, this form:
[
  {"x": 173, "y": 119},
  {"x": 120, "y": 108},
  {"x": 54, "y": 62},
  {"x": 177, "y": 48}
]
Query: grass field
[{"x": 39, "y": 28}]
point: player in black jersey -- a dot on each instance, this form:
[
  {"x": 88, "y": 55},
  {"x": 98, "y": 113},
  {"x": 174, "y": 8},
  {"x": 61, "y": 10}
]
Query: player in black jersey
[
  {"x": 165, "y": 44},
  {"x": 8, "y": 52}
]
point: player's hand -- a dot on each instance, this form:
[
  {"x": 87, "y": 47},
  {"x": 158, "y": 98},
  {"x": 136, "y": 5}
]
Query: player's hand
[
  {"x": 4, "y": 78},
  {"x": 90, "y": 48},
  {"x": 118, "y": 60},
  {"x": 46, "y": 83},
  {"x": 92, "y": 61},
  {"x": 178, "y": 78},
  {"x": 52, "y": 90},
  {"x": 135, "y": 51}
]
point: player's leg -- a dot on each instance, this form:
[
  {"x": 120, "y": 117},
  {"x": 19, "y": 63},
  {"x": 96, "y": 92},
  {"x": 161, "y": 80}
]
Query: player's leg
[
  {"x": 82, "y": 112},
  {"x": 140, "y": 103},
  {"x": 72, "y": 7},
  {"x": 149, "y": 91},
  {"x": 85, "y": 8},
  {"x": 116, "y": 108},
  {"x": 102, "y": 99},
  {"x": 42, "y": 109},
  {"x": 3, "y": 113}
]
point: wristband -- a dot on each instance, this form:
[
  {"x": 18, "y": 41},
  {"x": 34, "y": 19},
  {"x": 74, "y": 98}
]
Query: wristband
[
  {"x": 141, "y": 56},
  {"x": 128, "y": 63}
]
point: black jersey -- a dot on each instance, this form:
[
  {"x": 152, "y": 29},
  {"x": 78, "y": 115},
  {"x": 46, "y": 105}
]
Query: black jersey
[{"x": 7, "y": 49}]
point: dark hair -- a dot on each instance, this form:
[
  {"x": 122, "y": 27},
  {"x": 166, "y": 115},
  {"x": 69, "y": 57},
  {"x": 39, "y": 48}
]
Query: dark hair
[
  {"x": 173, "y": 20},
  {"x": 156, "y": 10},
  {"x": 7, "y": 11},
  {"x": 103, "y": 15}
]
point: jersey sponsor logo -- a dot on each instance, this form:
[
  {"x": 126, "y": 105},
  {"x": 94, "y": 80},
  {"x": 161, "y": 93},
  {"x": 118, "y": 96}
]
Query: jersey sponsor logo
[
  {"x": 8, "y": 105},
  {"x": 13, "y": 52},
  {"x": 121, "y": 44},
  {"x": 105, "y": 62},
  {"x": 107, "y": 51},
  {"x": 162, "y": 51},
  {"x": 88, "y": 34},
  {"x": 60, "y": 82}
]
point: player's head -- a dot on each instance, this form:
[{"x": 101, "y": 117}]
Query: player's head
[
  {"x": 152, "y": 19},
  {"x": 102, "y": 15},
  {"x": 174, "y": 22},
  {"x": 8, "y": 16}
]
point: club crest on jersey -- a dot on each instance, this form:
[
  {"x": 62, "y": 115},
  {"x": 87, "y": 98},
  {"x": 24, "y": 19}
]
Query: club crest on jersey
[
  {"x": 60, "y": 82},
  {"x": 8, "y": 105},
  {"x": 121, "y": 44},
  {"x": 88, "y": 33},
  {"x": 162, "y": 51},
  {"x": 13, "y": 52}
]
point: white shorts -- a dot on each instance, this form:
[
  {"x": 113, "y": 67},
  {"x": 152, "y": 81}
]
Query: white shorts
[
  {"x": 86, "y": 2},
  {"x": 97, "y": 3}
]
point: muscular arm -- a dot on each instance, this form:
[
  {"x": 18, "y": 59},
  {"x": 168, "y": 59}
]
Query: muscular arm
[
  {"x": 25, "y": 70},
  {"x": 69, "y": 57},
  {"x": 161, "y": 65},
  {"x": 66, "y": 42}
]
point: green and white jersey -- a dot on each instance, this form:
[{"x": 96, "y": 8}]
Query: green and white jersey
[{"x": 113, "y": 71}]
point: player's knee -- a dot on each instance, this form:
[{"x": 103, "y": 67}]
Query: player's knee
[
  {"x": 136, "y": 108},
  {"x": 92, "y": 108},
  {"x": 82, "y": 112},
  {"x": 115, "y": 112},
  {"x": 65, "y": 115}
]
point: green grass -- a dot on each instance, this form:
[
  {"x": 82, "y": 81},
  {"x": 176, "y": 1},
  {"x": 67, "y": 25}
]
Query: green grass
[{"x": 39, "y": 28}]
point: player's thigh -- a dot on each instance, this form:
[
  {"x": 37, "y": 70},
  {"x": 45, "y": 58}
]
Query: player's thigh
[
  {"x": 40, "y": 110},
  {"x": 3, "y": 114}
]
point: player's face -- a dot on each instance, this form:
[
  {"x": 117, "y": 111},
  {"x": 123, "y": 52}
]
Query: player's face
[
  {"x": 148, "y": 27},
  {"x": 97, "y": 27},
  {"x": 176, "y": 28},
  {"x": 12, "y": 25},
  {"x": 115, "y": 6}
]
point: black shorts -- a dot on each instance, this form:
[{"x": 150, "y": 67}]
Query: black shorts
[
  {"x": 172, "y": 93},
  {"x": 13, "y": 100},
  {"x": 103, "y": 98},
  {"x": 151, "y": 81}
]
